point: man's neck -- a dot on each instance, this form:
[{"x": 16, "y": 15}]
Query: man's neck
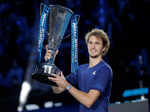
[{"x": 94, "y": 61}]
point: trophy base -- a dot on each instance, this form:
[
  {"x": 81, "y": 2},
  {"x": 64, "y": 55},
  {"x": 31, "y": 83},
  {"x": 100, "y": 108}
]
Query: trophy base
[{"x": 42, "y": 77}]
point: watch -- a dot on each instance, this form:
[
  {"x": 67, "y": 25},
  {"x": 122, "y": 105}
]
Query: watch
[{"x": 68, "y": 87}]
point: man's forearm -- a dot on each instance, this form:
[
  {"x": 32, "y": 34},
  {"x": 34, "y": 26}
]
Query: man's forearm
[{"x": 83, "y": 97}]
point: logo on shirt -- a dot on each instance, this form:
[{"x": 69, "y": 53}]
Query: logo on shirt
[{"x": 94, "y": 73}]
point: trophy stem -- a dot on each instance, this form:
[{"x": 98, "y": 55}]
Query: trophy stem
[{"x": 52, "y": 58}]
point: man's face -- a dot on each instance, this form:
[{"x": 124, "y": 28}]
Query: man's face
[{"x": 95, "y": 47}]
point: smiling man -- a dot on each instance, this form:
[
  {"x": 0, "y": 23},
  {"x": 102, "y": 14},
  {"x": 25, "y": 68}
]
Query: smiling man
[{"x": 91, "y": 83}]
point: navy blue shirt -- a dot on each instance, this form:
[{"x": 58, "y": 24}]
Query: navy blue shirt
[{"x": 99, "y": 78}]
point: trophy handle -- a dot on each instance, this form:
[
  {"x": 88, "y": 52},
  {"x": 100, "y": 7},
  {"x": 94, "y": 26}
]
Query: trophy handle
[{"x": 74, "y": 42}]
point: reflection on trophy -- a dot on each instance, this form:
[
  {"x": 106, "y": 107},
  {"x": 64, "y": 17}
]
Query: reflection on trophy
[{"x": 53, "y": 23}]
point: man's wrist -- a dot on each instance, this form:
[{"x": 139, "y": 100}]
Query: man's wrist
[{"x": 68, "y": 87}]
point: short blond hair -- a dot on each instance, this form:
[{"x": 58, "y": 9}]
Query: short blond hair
[{"x": 99, "y": 33}]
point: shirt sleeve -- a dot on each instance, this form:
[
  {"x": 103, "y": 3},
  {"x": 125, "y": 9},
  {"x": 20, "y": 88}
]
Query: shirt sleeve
[
  {"x": 73, "y": 78},
  {"x": 101, "y": 79}
]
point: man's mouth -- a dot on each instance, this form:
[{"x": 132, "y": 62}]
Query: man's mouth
[{"x": 93, "y": 50}]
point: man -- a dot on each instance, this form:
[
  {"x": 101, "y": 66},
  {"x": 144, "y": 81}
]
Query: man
[{"x": 94, "y": 80}]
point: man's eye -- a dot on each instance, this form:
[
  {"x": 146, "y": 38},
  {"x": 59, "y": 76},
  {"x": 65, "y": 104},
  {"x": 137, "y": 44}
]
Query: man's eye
[{"x": 90, "y": 42}]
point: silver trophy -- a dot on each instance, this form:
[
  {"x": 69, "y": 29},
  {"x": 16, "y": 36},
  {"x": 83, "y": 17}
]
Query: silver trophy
[{"x": 53, "y": 24}]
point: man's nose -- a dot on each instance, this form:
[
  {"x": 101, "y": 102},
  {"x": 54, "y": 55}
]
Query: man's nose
[{"x": 93, "y": 45}]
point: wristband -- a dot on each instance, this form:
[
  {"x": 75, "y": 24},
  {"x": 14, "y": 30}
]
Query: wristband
[{"x": 68, "y": 87}]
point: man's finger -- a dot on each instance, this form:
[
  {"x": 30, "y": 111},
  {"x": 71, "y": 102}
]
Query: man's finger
[
  {"x": 48, "y": 55},
  {"x": 54, "y": 75},
  {"x": 61, "y": 74},
  {"x": 46, "y": 47},
  {"x": 52, "y": 79},
  {"x": 57, "y": 52},
  {"x": 49, "y": 51}
]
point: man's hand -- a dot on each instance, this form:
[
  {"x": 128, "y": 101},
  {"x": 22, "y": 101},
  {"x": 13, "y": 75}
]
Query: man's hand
[
  {"x": 48, "y": 54},
  {"x": 59, "y": 80}
]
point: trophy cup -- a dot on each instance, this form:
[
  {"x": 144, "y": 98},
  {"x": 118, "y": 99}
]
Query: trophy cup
[{"x": 53, "y": 24}]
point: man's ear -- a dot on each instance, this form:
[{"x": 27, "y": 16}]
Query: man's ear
[{"x": 103, "y": 50}]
